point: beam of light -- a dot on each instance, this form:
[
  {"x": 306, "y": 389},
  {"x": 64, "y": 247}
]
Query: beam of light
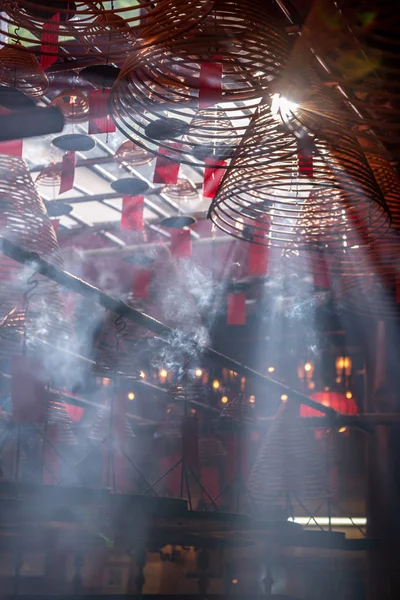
[
  {"x": 281, "y": 107},
  {"x": 325, "y": 521}
]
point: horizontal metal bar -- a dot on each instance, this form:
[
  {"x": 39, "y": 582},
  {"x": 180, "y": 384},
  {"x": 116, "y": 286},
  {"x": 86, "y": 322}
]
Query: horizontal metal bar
[{"x": 74, "y": 284}]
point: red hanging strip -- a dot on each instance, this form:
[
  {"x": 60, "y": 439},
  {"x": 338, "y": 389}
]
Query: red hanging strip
[
  {"x": 210, "y": 84},
  {"x": 236, "y": 309},
  {"x": 166, "y": 169},
  {"x": 212, "y": 177},
  {"x": 181, "y": 243},
  {"x": 49, "y": 42},
  {"x": 141, "y": 283},
  {"x": 132, "y": 213},
  {"x": 99, "y": 117},
  {"x": 75, "y": 413},
  {"x": 28, "y": 390},
  {"x": 51, "y": 466},
  {"x": 305, "y": 159},
  {"x": 67, "y": 172}
]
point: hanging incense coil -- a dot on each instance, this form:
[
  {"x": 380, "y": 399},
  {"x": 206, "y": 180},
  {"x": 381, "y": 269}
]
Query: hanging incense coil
[
  {"x": 212, "y": 452},
  {"x": 50, "y": 176},
  {"x": 101, "y": 426},
  {"x": 183, "y": 190},
  {"x": 374, "y": 296},
  {"x": 158, "y": 87},
  {"x": 57, "y": 414},
  {"x": 236, "y": 413},
  {"x": 288, "y": 464},
  {"x": 304, "y": 192},
  {"x": 130, "y": 154},
  {"x": 22, "y": 71},
  {"x": 105, "y": 33},
  {"x": 73, "y": 104}
]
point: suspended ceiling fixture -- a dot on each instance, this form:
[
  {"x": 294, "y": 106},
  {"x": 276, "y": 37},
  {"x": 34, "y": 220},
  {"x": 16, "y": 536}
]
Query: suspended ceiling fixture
[
  {"x": 106, "y": 30},
  {"x": 181, "y": 99}
]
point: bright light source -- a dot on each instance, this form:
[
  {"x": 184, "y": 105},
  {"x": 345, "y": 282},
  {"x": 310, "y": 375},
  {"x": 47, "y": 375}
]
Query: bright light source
[
  {"x": 106, "y": 381},
  {"x": 234, "y": 581},
  {"x": 308, "y": 366},
  {"x": 224, "y": 399},
  {"x": 342, "y": 429},
  {"x": 271, "y": 369},
  {"x": 198, "y": 372},
  {"x": 284, "y": 397},
  {"x": 281, "y": 107},
  {"x": 142, "y": 374},
  {"x": 163, "y": 373},
  {"x": 335, "y": 521},
  {"x": 349, "y": 395},
  {"x": 215, "y": 384},
  {"x": 252, "y": 399},
  {"x": 131, "y": 396}
]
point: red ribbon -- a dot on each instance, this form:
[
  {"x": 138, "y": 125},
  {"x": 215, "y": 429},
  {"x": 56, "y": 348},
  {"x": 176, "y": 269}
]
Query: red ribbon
[
  {"x": 305, "y": 159},
  {"x": 132, "y": 213},
  {"x": 28, "y": 390},
  {"x": 51, "y": 470},
  {"x": 212, "y": 177},
  {"x": 141, "y": 283},
  {"x": 236, "y": 309},
  {"x": 166, "y": 170},
  {"x": 181, "y": 243},
  {"x": 99, "y": 118},
  {"x": 210, "y": 84},
  {"x": 49, "y": 42},
  {"x": 67, "y": 172}
]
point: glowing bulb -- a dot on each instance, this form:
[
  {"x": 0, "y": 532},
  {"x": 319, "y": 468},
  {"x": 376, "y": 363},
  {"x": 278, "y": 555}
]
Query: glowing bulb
[
  {"x": 106, "y": 381},
  {"x": 284, "y": 397},
  {"x": 271, "y": 369},
  {"x": 252, "y": 399},
  {"x": 142, "y": 374},
  {"x": 308, "y": 366},
  {"x": 326, "y": 388},
  {"x": 163, "y": 373},
  {"x": 349, "y": 395},
  {"x": 234, "y": 581},
  {"x": 281, "y": 107},
  {"x": 198, "y": 372},
  {"x": 224, "y": 399},
  {"x": 342, "y": 429},
  {"x": 131, "y": 396},
  {"x": 215, "y": 384}
]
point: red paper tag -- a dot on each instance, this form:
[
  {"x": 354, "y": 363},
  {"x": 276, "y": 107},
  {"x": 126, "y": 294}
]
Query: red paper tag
[
  {"x": 28, "y": 390},
  {"x": 305, "y": 160},
  {"x": 210, "y": 84},
  {"x": 49, "y": 41},
  {"x": 181, "y": 243},
  {"x": 75, "y": 413},
  {"x": 141, "y": 283},
  {"x": 67, "y": 172},
  {"x": 99, "y": 118},
  {"x": 132, "y": 213},
  {"x": 166, "y": 169},
  {"x": 51, "y": 467},
  {"x": 212, "y": 177},
  {"x": 236, "y": 309}
]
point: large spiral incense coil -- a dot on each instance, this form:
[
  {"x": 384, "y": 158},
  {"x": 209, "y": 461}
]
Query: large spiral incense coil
[
  {"x": 232, "y": 56},
  {"x": 304, "y": 192},
  {"x": 101, "y": 427},
  {"x": 22, "y": 71},
  {"x": 130, "y": 154},
  {"x": 73, "y": 104},
  {"x": 57, "y": 414},
  {"x": 25, "y": 222},
  {"x": 375, "y": 296},
  {"x": 103, "y": 29}
]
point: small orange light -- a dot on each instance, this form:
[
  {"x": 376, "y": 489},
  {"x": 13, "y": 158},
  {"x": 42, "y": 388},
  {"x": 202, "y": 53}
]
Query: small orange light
[
  {"x": 284, "y": 397},
  {"x": 234, "y": 581},
  {"x": 131, "y": 396},
  {"x": 349, "y": 395},
  {"x": 252, "y": 399},
  {"x": 224, "y": 399},
  {"x": 215, "y": 384},
  {"x": 308, "y": 366},
  {"x": 342, "y": 429},
  {"x": 106, "y": 381}
]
